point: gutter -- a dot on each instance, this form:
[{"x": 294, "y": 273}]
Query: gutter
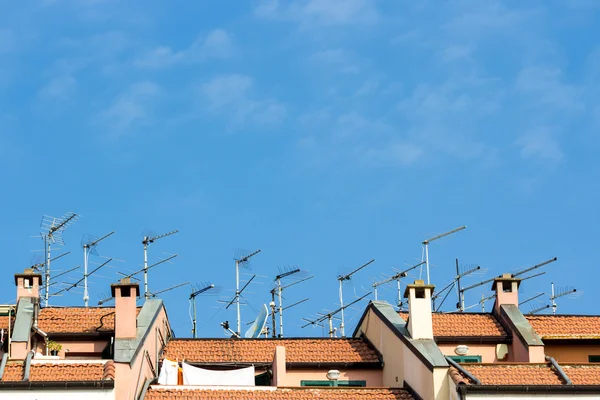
[
  {"x": 28, "y": 366},
  {"x": 474, "y": 339},
  {"x": 559, "y": 370},
  {"x": 333, "y": 365},
  {"x": 41, "y": 385},
  {"x": 147, "y": 384},
  {"x": 3, "y": 365},
  {"x": 463, "y": 371},
  {"x": 528, "y": 389}
]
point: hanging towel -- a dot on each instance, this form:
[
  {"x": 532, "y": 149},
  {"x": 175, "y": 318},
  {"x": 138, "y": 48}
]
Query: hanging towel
[
  {"x": 168, "y": 373},
  {"x": 206, "y": 377}
]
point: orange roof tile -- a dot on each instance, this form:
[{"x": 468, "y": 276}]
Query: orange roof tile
[
  {"x": 583, "y": 374},
  {"x": 56, "y": 372},
  {"x": 465, "y": 325},
  {"x": 565, "y": 326},
  {"x": 4, "y": 322},
  {"x": 280, "y": 394},
  {"x": 77, "y": 319},
  {"x": 514, "y": 374},
  {"x": 263, "y": 350}
]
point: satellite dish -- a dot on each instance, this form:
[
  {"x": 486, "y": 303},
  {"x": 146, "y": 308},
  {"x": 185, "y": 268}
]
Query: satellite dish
[{"x": 258, "y": 325}]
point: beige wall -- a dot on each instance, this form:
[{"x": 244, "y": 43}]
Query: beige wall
[
  {"x": 572, "y": 353},
  {"x": 75, "y": 346},
  {"x": 486, "y": 351},
  {"x": 373, "y": 378}
]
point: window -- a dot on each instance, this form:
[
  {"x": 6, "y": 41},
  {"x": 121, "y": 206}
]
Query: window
[
  {"x": 331, "y": 383},
  {"x": 594, "y": 359},
  {"x": 466, "y": 359}
]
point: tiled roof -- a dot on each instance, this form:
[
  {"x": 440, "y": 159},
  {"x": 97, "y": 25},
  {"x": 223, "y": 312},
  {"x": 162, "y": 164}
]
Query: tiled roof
[
  {"x": 77, "y": 319},
  {"x": 565, "y": 326},
  {"x": 4, "y": 322},
  {"x": 263, "y": 350},
  {"x": 465, "y": 325},
  {"x": 280, "y": 394},
  {"x": 58, "y": 372},
  {"x": 513, "y": 374},
  {"x": 583, "y": 374}
]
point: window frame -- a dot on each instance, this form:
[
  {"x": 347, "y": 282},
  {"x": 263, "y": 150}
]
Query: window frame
[
  {"x": 327, "y": 383},
  {"x": 466, "y": 359}
]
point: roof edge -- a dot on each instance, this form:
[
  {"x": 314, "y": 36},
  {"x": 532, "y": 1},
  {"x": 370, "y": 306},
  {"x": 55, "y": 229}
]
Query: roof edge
[
  {"x": 327, "y": 365},
  {"x": 43, "y": 385},
  {"x": 529, "y": 389}
]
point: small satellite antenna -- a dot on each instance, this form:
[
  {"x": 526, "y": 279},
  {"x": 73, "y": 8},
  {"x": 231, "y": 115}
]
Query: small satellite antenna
[
  {"x": 342, "y": 279},
  {"x": 283, "y": 273},
  {"x": 329, "y": 316},
  {"x": 195, "y": 293},
  {"x": 560, "y": 293},
  {"x": 240, "y": 262},
  {"x": 396, "y": 277},
  {"x": 427, "y": 241},
  {"x": 146, "y": 241},
  {"x": 89, "y": 244},
  {"x": 258, "y": 326},
  {"x": 51, "y": 229}
]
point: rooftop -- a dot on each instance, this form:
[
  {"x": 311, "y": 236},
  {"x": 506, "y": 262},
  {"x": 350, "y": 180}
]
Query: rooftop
[
  {"x": 158, "y": 393},
  {"x": 304, "y": 350},
  {"x": 64, "y": 372},
  {"x": 514, "y": 374},
  {"x": 583, "y": 374},
  {"x": 465, "y": 325},
  {"x": 565, "y": 326},
  {"x": 77, "y": 319}
]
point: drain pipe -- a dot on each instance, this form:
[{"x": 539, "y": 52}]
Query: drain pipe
[
  {"x": 3, "y": 364},
  {"x": 559, "y": 370},
  {"x": 463, "y": 371},
  {"x": 28, "y": 365}
]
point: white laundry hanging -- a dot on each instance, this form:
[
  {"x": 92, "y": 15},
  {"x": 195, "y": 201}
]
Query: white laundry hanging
[
  {"x": 206, "y": 377},
  {"x": 168, "y": 373}
]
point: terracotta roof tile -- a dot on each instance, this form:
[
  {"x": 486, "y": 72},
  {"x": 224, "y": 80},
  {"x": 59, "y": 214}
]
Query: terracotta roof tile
[
  {"x": 565, "y": 326},
  {"x": 263, "y": 350},
  {"x": 4, "y": 322},
  {"x": 514, "y": 374},
  {"x": 465, "y": 324},
  {"x": 55, "y": 372},
  {"x": 279, "y": 394},
  {"x": 583, "y": 374},
  {"x": 77, "y": 319}
]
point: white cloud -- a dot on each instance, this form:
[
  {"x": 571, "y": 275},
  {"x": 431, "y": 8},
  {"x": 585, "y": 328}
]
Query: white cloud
[
  {"x": 542, "y": 144},
  {"x": 217, "y": 44},
  {"x": 395, "y": 153},
  {"x": 59, "y": 88},
  {"x": 131, "y": 108},
  {"x": 321, "y": 12},
  {"x": 545, "y": 87},
  {"x": 234, "y": 97}
]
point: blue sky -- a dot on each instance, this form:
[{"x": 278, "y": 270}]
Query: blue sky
[{"x": 323, "y": 132}]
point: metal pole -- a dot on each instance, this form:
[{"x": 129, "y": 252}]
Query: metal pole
[
  {"x": 273, "y": 321},
  {"x": 399, "y": 293},
  {"x": 194, "y": 319},
  {"x": 427, "y": 259},
  {"x": 86, "y": 297},
  {"x": 461, "y": 303},
  {"x": 330, "y": 326},
  {"x": 47, "y": 275},
  {"x": 553, "y": 302},
  {"x": 280, "y": 309},
  {"x": 237, "y": 296},
  {"x": 342, "y": 306},
  {"x": 146, "y": 294},
  {"x": 375, "y": 291}
]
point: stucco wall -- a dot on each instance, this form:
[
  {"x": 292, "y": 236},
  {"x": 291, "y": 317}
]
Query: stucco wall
[
  {"x": 486, "y": 351},
  {"x": 572, "y": 353},
  {"x": 373, "y": 378}
]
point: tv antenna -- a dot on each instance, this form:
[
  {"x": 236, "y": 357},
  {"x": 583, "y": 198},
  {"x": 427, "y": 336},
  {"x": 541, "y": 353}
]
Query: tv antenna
[
  {"x": 427, "y": 241},
  {"x": 531, "y": 298},
  {"x": 195, "y": 293},
  {"x": 278, "y": 289},
  {"x": 396, "y": 277},
  {"x": 240, "y": 262},
  {"x": 329, "y": 316},
  {"x": 40, "y": 265},
  {"x": 342, "y": 279},
  {"x": 74, "y": 285},
  {"x": 146, "y": 241},
  {"x": 89, "y": 245},
  {"x": 155, "y": 294},
  {"x": 538, "y": 309},
  {"x": 52, "y": 229},
  {"x": 59, "y": 275},
  {"x": 450, "y": 286},
  {"x": 560, "y": 293}
]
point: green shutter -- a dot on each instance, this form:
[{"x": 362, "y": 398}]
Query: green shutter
[
  {"x": 594, "y": 359},
  {"x": 466, "y": 359},
  {"x": 316, "y": 383},
  {"x": 330, "y": 383}
]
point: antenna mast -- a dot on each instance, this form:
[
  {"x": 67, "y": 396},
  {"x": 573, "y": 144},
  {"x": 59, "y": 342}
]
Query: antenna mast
[
  {"x": 396, "y": 277},
  {"x": 342, "y": 279},
  {"x": 555, "y": 296},
  {"x": 329, "y": 316},
  {"x": 237, "y": 288},
  {"x": 427, "y": 241},
  {"x": 89, "y": 246},
  {"x": 193, "y": 300},
  {"x": 279, "y": 289},
  {"x": 51, "y": 230},
  {"x": 146, "y": 241}
]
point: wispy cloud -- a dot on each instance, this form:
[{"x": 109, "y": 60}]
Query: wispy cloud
[
  {"x": 234, "y": 96},
  {"x": 545, "y": 87},
  {"x": 61, "y": 88},
  {"x": 130, "y": 109},
  {"x": 541, "y": 144},
  {"x": 217, "y": 44}
]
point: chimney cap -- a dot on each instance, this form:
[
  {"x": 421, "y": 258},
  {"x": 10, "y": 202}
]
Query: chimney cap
[
  {"x": 125, "y": 282},
  {"x": 419, "y": 283},
  {"x": 505, "y": 278},
  {"x": 27, "y": 273}
]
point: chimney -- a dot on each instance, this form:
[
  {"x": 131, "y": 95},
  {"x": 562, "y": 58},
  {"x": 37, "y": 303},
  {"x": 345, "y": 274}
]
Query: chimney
[
  {"x": 125, "y": 294},
  {"x": 420, "y": 324},
  {"x": 28, "y": 284},
  {"x": 507, "y": 291}
]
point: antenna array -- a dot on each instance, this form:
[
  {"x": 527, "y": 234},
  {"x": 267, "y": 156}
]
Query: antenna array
[
  {"x": 396, "y": 277},
  {"x": 89, "y": 245},
  {"x": 240, "y": 262},
  {"x": 195, "y": 293},
  {"x": 342, "y": 279},
  {"x": 329, "y": 316},
  {"x": 278, "y": 289},
  {"x": 146, "y": 241},
  {"x": 427, "y": 241}
]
